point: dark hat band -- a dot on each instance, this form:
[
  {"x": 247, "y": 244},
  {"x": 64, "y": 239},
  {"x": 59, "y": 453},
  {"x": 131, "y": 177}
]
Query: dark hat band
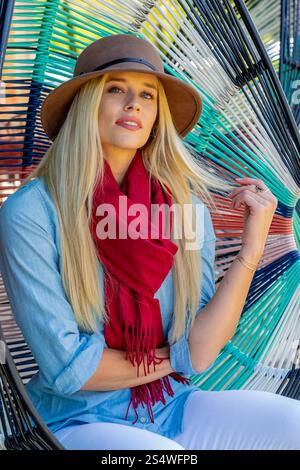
[{"x": 124, "y": 59}]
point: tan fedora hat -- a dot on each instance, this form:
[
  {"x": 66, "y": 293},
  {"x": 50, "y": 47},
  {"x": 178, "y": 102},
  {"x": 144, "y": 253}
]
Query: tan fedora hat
[{"x": 121, "y": 52}]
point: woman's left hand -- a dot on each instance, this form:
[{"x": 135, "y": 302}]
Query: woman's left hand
[{"x": 258, "y": 214}]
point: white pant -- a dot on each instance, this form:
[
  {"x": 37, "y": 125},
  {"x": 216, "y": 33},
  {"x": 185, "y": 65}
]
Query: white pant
[{"x": 213, "y": 420}]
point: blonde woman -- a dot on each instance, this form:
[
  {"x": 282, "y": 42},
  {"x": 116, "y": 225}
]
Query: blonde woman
[{"x": 113, "y": 320}]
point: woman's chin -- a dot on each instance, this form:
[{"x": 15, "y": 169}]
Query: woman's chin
[{"x": 128, "y": 143}]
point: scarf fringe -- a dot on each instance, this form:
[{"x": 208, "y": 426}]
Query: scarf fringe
[
  {"x": 138, "y": 353},
  {"x": 153, "y": 392}
]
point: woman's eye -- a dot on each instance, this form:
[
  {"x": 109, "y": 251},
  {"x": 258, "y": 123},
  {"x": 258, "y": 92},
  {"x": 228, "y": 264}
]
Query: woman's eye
[
  {"x": 149, "y": 94},
  {"x": 117, "y": 88},
  {"x": 114, "y": 88}
]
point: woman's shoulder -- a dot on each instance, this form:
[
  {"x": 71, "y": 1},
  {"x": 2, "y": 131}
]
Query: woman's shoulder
[{"x": 29, "y": 203}]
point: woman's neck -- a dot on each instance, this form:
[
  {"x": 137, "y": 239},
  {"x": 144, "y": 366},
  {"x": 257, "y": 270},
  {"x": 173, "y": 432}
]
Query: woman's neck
[{"x": 119, "y": 164}]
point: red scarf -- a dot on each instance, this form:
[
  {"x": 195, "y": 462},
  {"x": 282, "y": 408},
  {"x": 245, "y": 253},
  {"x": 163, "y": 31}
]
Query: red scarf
[{"x": 134, "y": 269}]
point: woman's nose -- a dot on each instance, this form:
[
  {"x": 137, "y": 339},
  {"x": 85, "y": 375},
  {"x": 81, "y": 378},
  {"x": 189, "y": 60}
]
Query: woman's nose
[
  {"x": 132, "y": 101},
  {"x": 133, "y": 105}
]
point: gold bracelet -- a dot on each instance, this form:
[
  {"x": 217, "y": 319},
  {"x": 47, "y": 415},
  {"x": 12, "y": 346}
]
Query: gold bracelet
[{"x": 251, "y": 266}]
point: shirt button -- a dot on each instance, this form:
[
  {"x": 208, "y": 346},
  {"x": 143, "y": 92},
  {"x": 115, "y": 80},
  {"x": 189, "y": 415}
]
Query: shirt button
[{"x": 142, "y": 419}]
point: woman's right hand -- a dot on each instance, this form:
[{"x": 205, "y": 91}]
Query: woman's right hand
[{"x": 258, "y": 215}]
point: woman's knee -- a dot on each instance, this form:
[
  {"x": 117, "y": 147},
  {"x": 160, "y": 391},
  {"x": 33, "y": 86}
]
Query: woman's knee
[{"x": 235, "y": 419}]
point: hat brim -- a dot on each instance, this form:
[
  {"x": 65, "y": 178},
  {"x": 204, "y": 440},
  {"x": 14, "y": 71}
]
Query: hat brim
[{"x": 184, "y": 101}]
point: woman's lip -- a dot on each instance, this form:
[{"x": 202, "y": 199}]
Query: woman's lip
[{"x": 127, "y": 126}]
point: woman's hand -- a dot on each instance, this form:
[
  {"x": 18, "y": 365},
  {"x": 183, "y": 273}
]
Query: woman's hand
[{"x": 258, "y": 214}]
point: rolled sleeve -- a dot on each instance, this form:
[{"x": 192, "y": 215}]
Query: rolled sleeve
[
  {"x": 29, "y": 264},
  {"x": 81, "y": 367},
  {"x": 180, "y": 358}
]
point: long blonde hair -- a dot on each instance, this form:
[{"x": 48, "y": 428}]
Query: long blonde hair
[{"x": 72, "y": 165}]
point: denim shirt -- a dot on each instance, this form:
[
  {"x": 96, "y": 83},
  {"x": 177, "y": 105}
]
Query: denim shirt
[{"x": 30, "y": 264}]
